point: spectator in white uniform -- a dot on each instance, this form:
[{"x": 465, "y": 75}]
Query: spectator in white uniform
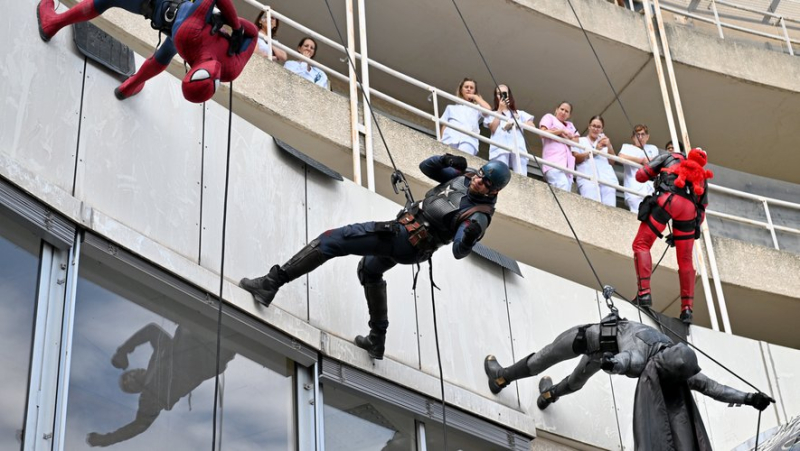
[
  {"x": 308, "y": 48},
  {"x": 639, "y": 152},
  {"x": 597, "y": 140},
  {"x": 506, "y": 132},
  {"x": 278, "y": 55},
  {"x": 465, "y": 117}
]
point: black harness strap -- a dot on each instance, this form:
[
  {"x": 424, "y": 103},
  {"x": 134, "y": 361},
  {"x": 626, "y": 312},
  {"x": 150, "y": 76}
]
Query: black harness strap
[{"x": 608, "y": 334}]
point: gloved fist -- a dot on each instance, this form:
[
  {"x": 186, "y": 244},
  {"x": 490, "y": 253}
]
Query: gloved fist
[
  {"x": 641, "y": 176},
  {"x": 759, "y": 400},
  {"x": 235, "y": 41},
  {"x": 471, "y": 233},
  {"x": 217, "y": 22},
  {"x": 95, "y": 439},
  {"x": 455, "y": 162},
  {"x": 608, "y": 363},
  {"x": 120, "y": 359}
]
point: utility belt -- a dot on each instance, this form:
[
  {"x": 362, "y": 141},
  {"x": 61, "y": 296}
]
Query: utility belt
[
  {"x": 419, "y": 234},
  {"x": 649, "y": 208}
]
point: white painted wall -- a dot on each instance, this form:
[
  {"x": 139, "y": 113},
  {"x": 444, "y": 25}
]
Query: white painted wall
[{"x": 156, "y": 165}]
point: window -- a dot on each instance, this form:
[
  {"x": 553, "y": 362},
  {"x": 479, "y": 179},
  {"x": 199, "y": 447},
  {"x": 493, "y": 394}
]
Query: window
[
  {"x": 19, "y": 268},
  {"x": 354, "y": 424},
  {"x": 143, "y": 370}
]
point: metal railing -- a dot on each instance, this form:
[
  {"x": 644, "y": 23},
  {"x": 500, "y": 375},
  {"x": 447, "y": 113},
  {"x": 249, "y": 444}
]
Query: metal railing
[
  {"x": 780, "y": 20},
  {"x": 437, "y": 94}
]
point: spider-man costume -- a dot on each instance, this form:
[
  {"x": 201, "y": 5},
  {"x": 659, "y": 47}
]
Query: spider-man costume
[{"x": 191, "y": 30}]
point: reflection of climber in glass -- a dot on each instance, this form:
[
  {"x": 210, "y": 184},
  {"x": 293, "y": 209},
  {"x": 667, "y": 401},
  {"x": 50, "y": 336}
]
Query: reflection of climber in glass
[{"x": 178, "y": 365}]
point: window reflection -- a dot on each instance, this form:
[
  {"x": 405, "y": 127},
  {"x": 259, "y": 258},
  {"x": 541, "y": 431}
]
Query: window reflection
[
  {"x": 456, "y": 440},
  {"x": 143, "y": 370},
  {"x": 355, "y": 424},
  {"x": 19, "y": 265}
]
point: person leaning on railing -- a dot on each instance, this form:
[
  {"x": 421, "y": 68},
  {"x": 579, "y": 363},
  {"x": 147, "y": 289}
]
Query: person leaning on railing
[
  {"x": 464, "y": 116},
  {"x": 308, "y": 48},
  {"x": 639, "y": 152},
  {"x": 555, "y": 151},
  {"x": 278, "y": 55},
  {"x": 506, "y": 132},
  {"x": 596, "y": 140}
]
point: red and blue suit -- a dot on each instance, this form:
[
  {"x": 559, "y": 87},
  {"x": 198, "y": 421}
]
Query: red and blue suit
[
  {"x": 687, "y": 212},
  {"x": 192, "y": 31}
]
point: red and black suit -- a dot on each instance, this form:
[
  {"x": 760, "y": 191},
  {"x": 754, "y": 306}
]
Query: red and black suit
[{"x": 687, "y": 212}]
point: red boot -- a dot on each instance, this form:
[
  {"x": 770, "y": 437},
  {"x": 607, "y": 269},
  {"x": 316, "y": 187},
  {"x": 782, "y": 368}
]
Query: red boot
[
  {"x": 687, "y": 280},
  {"x": 135, "y": 82},
  {"x": 50, "y": 22}
]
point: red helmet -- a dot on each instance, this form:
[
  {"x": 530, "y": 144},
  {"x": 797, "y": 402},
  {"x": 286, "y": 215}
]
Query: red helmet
[{"x": 201, "y": 82}]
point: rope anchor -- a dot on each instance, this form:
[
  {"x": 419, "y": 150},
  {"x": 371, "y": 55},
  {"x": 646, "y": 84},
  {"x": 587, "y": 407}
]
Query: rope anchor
[{"x": 608, "y": 290}]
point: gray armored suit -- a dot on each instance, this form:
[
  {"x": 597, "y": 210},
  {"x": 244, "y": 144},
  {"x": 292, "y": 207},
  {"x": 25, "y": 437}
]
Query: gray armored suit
[{"x": 628, "y": 353}]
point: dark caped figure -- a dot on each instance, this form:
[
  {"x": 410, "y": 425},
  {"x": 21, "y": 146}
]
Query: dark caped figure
[
  {"x": 665, "y": 415},
  {"x": 458, "y": 210}
]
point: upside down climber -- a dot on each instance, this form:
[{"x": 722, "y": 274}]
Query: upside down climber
[
  {"x": 665, "y": 416},
  {"x": 459, "y": 210},
  {"x": 193, "y": 31},
  {"x": 681, "y": 195}
]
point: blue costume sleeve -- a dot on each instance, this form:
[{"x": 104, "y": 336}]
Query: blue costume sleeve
[
  {"x": 165, "y": 52},
  {"x": 462, "y": 249},
  {"x": 434, "y": 167}
]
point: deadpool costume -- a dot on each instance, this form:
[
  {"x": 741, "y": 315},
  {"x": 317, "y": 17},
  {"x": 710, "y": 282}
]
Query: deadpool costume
[{"x": 686, "y": 210}]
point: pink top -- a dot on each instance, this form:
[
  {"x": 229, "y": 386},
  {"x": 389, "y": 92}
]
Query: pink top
[{"x": 554, "y": 151}]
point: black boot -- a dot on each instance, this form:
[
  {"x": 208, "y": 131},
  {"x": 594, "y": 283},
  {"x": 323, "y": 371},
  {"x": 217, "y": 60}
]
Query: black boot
[
  {"x": 686, "y": 315},
  {"x": 643, "y": 300},
  {"x": 500, "y": 377},
  {"x": 546, "y": 396},
  {"x": 374, "y": 343},
  {"x": 266, "y": 287},
  {"x": 378, "y": 320}
]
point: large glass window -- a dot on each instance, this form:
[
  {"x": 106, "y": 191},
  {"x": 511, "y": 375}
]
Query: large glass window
[
  {"x": 143, "y": 370},
  {"x": 456, "y": 440},
  {"x": 19, "y": 268},
  {"x": 353, "y": 423}
]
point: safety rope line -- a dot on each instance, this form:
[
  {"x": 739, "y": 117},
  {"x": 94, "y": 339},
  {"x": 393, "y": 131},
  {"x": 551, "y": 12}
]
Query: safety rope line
[
  {"x": 400, "y": 183},
  {"x": 604, "y": 288},
  {"x": 222, "y": 265},
  {"x": 535, "y": 158},
  {"x": 438, "y": 352},
  {"x": 597, "y": 57}
]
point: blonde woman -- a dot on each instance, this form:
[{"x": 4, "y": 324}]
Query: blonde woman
[{"x": 464, "y": 116}]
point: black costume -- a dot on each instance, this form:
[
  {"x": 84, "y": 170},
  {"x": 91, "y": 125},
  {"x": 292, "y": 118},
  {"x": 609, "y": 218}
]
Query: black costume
[
  {"x": 665, "y": 415},
  {"x": 450, "y": 212}
]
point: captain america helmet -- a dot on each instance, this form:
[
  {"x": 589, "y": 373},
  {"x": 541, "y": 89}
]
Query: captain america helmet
[{"x": 496, "y": 173}]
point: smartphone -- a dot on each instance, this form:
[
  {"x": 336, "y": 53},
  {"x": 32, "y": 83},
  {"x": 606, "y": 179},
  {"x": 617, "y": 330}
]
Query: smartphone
[{"x": 503, "y": 95}]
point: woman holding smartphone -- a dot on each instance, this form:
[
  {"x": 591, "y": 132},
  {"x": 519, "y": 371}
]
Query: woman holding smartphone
[
  {"x": 596, "y": 140},
  {"x": 506, "y": 132}
]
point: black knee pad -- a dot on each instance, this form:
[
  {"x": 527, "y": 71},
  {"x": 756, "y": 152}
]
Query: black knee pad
[{"x": 366, "y": 278}]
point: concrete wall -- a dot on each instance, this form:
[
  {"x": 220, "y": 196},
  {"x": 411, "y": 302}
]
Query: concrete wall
[{"x": 148, "y": 174}]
